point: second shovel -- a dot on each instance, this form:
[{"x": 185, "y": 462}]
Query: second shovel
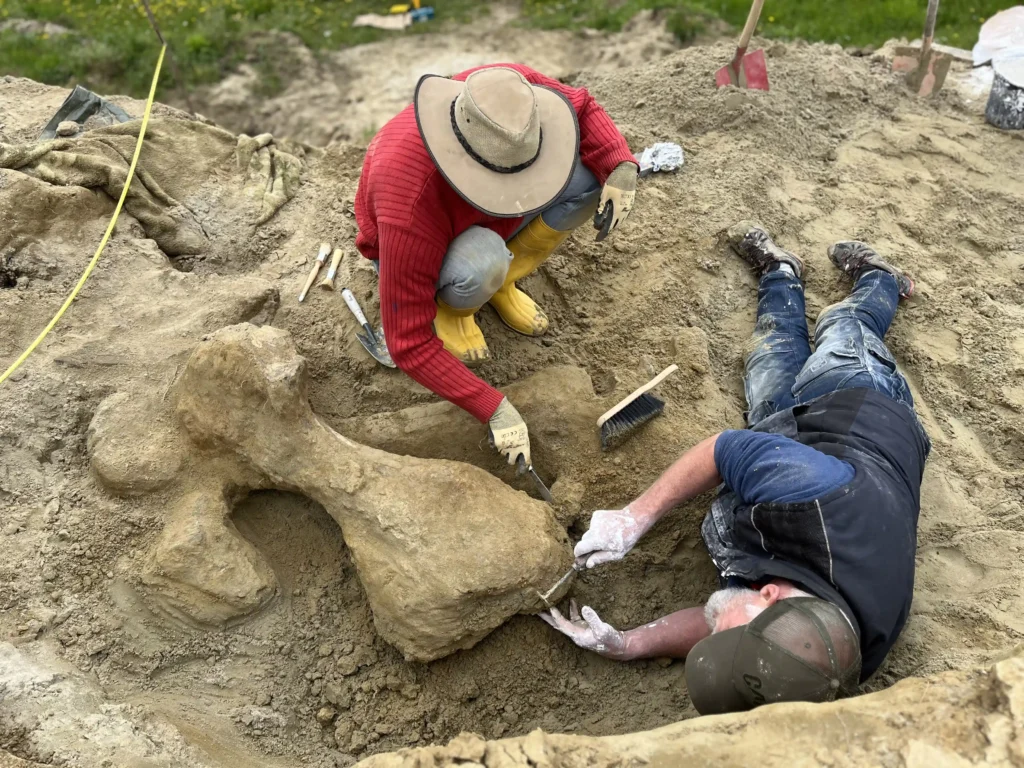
[
  {"x": 926, "y": 67},
  {"x": 746, "y": 70}
]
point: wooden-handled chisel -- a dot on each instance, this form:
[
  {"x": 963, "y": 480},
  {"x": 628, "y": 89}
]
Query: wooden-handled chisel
[
  {"x": 328, "y": 282},
  {"x": 325, "y": 251}
]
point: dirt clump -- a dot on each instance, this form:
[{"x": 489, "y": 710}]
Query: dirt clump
[{"x": 837, "y": 149}]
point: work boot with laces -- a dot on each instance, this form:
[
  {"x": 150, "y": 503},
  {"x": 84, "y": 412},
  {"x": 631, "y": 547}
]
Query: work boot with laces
[
  {"x": 855, "y": 257},
  {"x": 752, "y": 241}
]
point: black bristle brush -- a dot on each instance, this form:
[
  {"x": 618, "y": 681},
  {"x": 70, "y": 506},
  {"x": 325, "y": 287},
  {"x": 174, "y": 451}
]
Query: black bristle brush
[{"x": 629, "y": 414}]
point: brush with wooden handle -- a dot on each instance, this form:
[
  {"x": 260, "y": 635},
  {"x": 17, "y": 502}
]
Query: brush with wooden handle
[
  {"x": 328, "y": 282},
  {"x": 325, "y": 250},
  {"x": 637, "y": 409}
]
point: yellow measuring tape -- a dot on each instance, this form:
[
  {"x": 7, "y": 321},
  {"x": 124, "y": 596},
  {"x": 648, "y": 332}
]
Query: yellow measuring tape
[{"x": 106, "y": 235}]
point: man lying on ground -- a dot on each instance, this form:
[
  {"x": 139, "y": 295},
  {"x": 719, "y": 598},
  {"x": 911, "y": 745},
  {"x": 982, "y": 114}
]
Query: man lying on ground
[{"x": 814, "y": 530}]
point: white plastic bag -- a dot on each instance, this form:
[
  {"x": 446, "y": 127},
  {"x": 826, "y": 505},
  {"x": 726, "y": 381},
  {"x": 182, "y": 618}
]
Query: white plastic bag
[
  {"x": 663, "y": 156},
  {"x": 1001, "y": 41}
]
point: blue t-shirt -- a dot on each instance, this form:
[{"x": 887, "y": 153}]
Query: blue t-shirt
[{"x": 762, "y": 467}]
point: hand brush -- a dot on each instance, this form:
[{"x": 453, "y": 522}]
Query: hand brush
[{"x": 629, "y": 414}]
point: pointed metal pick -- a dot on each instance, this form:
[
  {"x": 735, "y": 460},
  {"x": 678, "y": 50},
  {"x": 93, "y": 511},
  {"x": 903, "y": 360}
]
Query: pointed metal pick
[{"x": 541, "y": 488}]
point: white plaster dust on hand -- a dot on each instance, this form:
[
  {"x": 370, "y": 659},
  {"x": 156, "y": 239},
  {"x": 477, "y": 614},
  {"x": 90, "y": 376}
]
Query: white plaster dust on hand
[
  {"x": 587, "y": 630},
  {"x": 612, "y": 534}
]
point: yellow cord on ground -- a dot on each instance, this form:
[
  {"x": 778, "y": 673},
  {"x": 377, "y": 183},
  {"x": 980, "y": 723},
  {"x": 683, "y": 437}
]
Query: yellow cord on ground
[{"x": 106, "y": 235}]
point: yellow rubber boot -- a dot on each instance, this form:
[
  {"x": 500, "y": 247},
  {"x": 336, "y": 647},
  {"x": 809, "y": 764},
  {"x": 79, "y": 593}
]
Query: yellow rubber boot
[
  {"x": 458, "y": 330},
  {"x": 530, "y": 248}
]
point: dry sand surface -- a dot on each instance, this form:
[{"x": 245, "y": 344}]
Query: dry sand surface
[{"x": 270, "y": 656}]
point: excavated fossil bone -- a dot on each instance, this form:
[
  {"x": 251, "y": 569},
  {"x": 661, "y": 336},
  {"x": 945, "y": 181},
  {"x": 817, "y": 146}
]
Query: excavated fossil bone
[{"x": 445, "y": 551}]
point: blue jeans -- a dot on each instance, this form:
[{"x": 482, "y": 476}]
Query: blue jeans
[{"x": 849, "y": 352}]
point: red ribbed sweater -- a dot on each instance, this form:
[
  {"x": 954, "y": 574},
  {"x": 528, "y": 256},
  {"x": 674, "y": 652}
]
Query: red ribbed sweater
[{"x": 407, "y": 216}]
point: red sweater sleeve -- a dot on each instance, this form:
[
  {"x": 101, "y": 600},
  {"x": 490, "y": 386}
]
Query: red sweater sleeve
[
  {"x": 602, "y": 145},
  {"x": 409, "y": 266}
]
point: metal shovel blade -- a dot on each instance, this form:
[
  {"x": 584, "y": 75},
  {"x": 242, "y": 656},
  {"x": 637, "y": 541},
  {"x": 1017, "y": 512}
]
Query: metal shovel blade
[
  {"x": 926, "y": 71},
  {"x": 751, "y": 73},
  {"x": 374, "y": 344}
]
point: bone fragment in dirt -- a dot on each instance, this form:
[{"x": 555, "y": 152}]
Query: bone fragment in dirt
[
  {"x": 203, "y": 570},
  {"x": 445, "y": 551}
]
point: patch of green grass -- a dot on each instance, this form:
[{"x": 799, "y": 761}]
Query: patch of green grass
[
  {"x": 862, "y": 22},
  {"x": 112, "y": 48},
  {"x": 687, "y": 23},
  {"x": 866, "y": 22}
]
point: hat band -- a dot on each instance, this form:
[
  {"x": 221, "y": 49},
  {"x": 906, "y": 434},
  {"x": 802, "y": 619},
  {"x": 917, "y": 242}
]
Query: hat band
[{"x": 487, "y": 164}]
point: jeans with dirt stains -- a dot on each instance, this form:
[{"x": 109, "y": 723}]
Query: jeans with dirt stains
[{"x": 781, "y": 370}]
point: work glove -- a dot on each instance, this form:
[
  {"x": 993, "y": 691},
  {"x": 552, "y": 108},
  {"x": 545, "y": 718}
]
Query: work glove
[
  {"x": 620, "y": 190},
  {"x": 509, "y": 434},
  {"x": 587, "y": 630},
  {"x": 612, "y": 533}
]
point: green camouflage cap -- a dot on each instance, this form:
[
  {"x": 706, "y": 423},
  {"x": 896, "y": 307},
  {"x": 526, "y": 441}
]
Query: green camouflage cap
[{"x": 800, "y": 649}]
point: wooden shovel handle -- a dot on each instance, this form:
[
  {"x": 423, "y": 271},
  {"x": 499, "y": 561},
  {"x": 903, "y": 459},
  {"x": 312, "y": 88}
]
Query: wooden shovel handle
[
  {"x": 751, "y": 25},
  {"x": 929, "y": 27}
]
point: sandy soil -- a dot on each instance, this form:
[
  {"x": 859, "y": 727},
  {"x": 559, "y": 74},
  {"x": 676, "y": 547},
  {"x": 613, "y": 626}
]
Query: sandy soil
[{"x": 837, "y": 149}]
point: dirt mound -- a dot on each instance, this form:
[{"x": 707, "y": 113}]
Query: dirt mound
[
  {"x": 836, "y": 149},
  {"x": 954, "y": 720}
]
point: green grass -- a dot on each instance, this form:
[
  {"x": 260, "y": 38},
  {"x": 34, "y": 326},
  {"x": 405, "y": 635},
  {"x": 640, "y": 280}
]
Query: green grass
[
  {"x": 850, "y": 22},
  {"x": 113, "y": 49}
]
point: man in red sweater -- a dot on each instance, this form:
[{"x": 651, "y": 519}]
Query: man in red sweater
[{"x": 467, "y": 190}]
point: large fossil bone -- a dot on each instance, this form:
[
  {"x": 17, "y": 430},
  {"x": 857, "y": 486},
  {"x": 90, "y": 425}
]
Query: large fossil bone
[{"x": 445, "y": 551}]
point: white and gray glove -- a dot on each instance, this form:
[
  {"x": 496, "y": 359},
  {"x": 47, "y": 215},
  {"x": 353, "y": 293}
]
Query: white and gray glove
[
  {"x": 620, "y": 189},
  {"x": 612, "y": 534},
  {"x": 509, "y": 434},
  {"x": 587, "y": 630}
]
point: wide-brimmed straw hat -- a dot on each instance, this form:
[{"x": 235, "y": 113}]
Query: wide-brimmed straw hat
[{"x": 507, "y": 147}]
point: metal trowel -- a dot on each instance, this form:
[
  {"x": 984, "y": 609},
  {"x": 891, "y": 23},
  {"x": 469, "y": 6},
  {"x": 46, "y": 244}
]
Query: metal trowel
[{"x": 371, "y": 340}]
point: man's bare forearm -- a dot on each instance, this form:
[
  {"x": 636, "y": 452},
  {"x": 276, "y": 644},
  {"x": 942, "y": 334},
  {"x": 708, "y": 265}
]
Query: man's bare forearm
[
  {"x": 673, "y": 636},
  {"x": 692, "y": 474}
]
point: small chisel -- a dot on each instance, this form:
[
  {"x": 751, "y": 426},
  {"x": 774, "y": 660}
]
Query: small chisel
[
  {"x": 328, "y": 282},
  {"x": 546, "y": 597},
  {"x": 325, "y": 251}
]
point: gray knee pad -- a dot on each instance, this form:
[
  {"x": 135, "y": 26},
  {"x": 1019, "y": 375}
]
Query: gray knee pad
[
  {"x": 576, "y": 204},
  {"x": 474, "y": 268}
]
